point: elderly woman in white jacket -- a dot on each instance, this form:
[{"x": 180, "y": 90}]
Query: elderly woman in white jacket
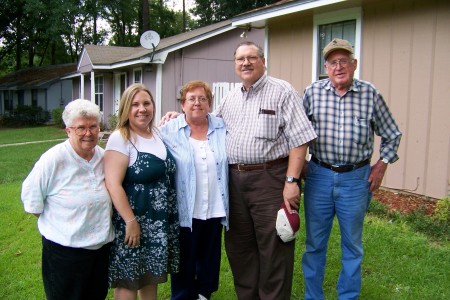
[
  {"x": 197, "y": 141},
  {"x": 66, "y": 191}
]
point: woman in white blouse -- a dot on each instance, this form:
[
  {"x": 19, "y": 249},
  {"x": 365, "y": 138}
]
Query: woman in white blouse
[
  {"x": 197, "y": 141},
  {"x": 66, "y": 191}
]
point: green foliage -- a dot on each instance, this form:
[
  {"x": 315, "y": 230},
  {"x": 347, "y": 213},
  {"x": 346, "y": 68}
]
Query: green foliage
[
  {"x": 418, "y": 220},
  {"x": 214, "y": 11},
  {"x": 25, "y": 115},
  {"x": 399, "y": 262},
  {"x": 16, "y": 161},
  {"x": 39, "y": 133},
  {"x": 112, "y": 122},
  {"x": 57, "y": 117},
  {"x": 167, "y": 22},
  {"x": 442, "y": 212}
]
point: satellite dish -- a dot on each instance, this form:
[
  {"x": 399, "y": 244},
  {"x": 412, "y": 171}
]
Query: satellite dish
[{"x": 150, "y": 39}]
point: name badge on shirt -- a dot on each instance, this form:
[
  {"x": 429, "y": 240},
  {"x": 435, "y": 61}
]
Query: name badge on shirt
[{"x": 266, "y": 111}]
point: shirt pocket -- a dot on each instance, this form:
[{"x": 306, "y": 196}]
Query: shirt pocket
[
  {"x": 361, "y": 130},
  {"x": 267, "y": 125}
]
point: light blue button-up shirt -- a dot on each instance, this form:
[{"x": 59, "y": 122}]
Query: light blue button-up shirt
[{"x": 176, "y": 135}]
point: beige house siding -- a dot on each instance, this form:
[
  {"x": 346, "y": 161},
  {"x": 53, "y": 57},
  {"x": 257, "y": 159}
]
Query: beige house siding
[
  {"x": 405, "y": 50},
  {"x": 290, "y": 49}
]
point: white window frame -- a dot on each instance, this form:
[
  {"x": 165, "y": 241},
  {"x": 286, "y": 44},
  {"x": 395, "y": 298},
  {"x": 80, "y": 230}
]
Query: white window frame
[
  {"x": 333, "y": 17},
  {"x": 96, "y": 92}
]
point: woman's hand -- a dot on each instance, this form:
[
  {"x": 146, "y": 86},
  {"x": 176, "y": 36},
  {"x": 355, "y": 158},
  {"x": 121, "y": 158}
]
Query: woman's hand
[{"x": 132, "y": 234}]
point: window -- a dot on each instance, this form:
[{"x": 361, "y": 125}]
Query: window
[
  {"x": 343, "y": 24},
  {"x": 21, "y": 97},
  {"x": 34, "y": 98},
  {"x": 137, "y": 76},
  {"x": 7, "y": 101},
  {"x": 99, "y": 91},
  {"x": 343, "y": 30}
]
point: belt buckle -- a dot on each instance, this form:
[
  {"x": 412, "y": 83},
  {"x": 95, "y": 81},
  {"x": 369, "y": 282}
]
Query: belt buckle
[
  {"x": 335, "y": 168},
  {"x": 239, "y": 167}
]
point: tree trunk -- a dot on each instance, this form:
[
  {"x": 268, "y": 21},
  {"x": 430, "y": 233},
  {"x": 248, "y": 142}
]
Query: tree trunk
[{"x": 145, "y": 16}]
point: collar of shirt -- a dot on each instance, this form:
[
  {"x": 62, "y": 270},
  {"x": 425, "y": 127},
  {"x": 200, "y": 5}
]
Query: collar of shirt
[
  {"x": 213, "y": 123},
  {"x": 355, "y": 87},
  {"x": 257, "y": 85}
]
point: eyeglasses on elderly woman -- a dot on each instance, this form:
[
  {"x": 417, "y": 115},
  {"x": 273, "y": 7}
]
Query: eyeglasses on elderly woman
[{"x": 83, "y": 130}]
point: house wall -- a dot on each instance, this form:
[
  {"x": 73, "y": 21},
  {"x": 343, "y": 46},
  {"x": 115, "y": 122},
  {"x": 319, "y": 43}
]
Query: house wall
[
  {"x": 404, "y": 52},
  {"x": 57, "y": 95},
  {"x": 210, "y": 60},
  {"x": 76, "y": 88}
]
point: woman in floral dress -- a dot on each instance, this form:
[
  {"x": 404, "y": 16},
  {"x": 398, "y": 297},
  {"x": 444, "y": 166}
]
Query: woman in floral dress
[{"x": 139, "y": 174}]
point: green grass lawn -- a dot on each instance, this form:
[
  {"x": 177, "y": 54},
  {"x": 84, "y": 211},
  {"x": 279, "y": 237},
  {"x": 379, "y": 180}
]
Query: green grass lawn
[
  {"x": 19, "y": 135},
  {"x": 399, "y": 262}
]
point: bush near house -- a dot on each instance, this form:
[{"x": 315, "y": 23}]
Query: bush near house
[
  {"x": 57, "y": 117},
  {"x": 25, "y": 115},
  {"x": 112, "y": 122}
]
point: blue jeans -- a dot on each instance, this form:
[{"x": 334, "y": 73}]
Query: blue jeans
[{"x": 346, "y": 196}]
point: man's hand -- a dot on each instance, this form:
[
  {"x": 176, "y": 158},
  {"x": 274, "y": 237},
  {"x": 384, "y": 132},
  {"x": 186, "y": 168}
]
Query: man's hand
[
  {"x": 169, "y": 115},
  {"x": 376, "y": 175},
  {"x": 291, "y": 196}
]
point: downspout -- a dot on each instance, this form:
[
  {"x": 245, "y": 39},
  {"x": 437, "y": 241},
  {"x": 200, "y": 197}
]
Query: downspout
[
  {"x": 158, "y": 100},
  {"x": 182, "y": 68}
]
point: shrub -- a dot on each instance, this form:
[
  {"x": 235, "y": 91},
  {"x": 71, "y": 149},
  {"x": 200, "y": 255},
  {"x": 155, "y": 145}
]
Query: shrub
[
  {"x": 442, "y": 212},
  {"x": 112, "y": 122},
  {"x": 57, "y": 117},
  {"x": 25, "y": 115}
]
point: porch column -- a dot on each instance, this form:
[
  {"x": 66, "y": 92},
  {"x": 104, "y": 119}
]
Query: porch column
[
  {"x": 81, "y": 86},
  {"x": 92, "y": 87}
]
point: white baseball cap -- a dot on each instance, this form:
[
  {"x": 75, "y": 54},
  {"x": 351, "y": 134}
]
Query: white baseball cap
[{"x": 287, "y": 224}]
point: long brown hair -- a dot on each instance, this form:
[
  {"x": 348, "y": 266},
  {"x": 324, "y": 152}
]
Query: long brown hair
[{"x": 123, "y": 123}]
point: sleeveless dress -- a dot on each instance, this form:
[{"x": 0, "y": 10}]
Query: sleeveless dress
[{"x": 150, "y": 186}]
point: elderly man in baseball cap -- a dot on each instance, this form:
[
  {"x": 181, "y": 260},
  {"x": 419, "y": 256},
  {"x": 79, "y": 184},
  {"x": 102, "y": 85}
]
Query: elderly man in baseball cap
[{"x": 346, "y": 113}]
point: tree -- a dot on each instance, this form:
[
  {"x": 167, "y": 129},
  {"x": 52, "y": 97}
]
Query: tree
[
  {"x": 46, "y": 31},
  {"x": 213, "y": 11}
]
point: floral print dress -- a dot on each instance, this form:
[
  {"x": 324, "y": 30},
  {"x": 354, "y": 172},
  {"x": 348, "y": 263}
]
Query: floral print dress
[{"x": 150, "y": 186}]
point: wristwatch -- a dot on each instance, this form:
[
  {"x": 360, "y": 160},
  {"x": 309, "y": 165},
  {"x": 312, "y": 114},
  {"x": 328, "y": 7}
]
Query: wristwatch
[
  {"x": 292, "y": 179},
  {"x": 384, "y": 160}
]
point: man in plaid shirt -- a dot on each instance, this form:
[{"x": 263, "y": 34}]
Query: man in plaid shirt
[{"x": 345, "y": 113}]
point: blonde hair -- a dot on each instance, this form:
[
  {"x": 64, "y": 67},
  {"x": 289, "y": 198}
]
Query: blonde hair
[{"x": 123, "y": 122}]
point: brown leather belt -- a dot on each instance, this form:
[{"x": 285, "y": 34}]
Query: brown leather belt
[
  {"x": 340, "y": 168},
  {"x": 253, "y": 167}
]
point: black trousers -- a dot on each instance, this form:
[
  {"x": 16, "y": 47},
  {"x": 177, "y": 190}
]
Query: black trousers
[
  {"x": 74, "y": 273},
  {"x": 200, "y": 255}
]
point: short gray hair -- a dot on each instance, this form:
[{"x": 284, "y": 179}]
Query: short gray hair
[
  {"x": 80, "y": 108},
  {"x": 249, "y": 43}
]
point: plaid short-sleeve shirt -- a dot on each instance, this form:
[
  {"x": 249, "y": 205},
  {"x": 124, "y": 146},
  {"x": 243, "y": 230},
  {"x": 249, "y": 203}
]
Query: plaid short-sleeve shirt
[{"x": 265, "y": 122}]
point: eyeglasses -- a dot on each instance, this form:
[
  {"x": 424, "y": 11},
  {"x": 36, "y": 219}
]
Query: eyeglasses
[
  {"x": 83, "y": 130},
  {"x": 250, "y": 59},
  {"x": 200, "y": 99},
  {"x": 342, "y": 62}
]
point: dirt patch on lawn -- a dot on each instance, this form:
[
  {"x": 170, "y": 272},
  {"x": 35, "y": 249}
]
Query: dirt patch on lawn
[{"x": 405, "y": 202}]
